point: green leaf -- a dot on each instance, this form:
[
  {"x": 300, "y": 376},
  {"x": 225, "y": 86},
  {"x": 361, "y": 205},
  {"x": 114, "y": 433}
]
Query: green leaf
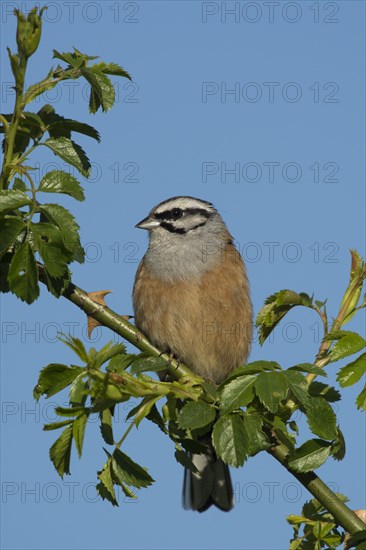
[
  {"x": 106, "y": 426},
  {"x": 70, "y": 152},
  {"x": 48, "y": 241},
  {"x": 19, "y": 185},
  {"x": 71, "y": 412},
  {"x": 58, "y": 181},
  {"x": 78, "y": 390},
  {"x": 23, "y": 274},
  {"x": 237, "y": 393},
  {"x": 321, "y": 418},
  {"x": 310, "y": 455},
  {"x": 347, "y": 343},
  {"x": 309, "y": 367},
  {"x": 62, "y": 127},
  {"x": 57, "y": 286},
  {"x": 75, "y": 59},
  {"x": 339, "y": 447},
  {"x": 145, "y": 363},
  {"x": 361, "y": 400},
  {"x": 329, "y": 393},
  {"x": 257, "y": 439},
  {"x": 108, "y": 351},
  {"x": 76, "y": 345},
  {"x": 184, "y": 460},
  {"x": 282, "y": 433},
  {"x": 298, "y": 386},
  {"x": 196, "y": 414},
  {"x": 11, "y": 199},
  {"x": 111, "y": 68},
  {"x": 125, "y": 470},
  {"x": 253, "y": 368},
  {"x": 119, "y": 363},
  {"x": 60, "y": 452},
  {"x": 351, "y": 373},
  {"x": 78, "y": 431},
  {"x": 271, "y": 388},
  {"x": 10, "y": 227},
  {"x": 275, "y": 308},
  {"x": 105, "y": 487},
  {"x": 65, "y": 221},
  {"x": 56, "y": 425},
  {"x": 101, "y": 88},
  {"x": 229, "y": 438},
  {"x": 54, "y": 378}
]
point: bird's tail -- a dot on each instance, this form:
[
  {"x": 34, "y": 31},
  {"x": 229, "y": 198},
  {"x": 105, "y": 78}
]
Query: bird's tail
[{"x": 210, "y": 485}]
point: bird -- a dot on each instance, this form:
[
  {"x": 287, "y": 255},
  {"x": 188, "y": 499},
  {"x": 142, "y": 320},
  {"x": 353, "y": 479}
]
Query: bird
[{"x": 191, "y": 299}]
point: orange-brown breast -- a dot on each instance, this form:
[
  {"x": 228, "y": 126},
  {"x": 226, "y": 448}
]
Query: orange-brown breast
[{"x": 206, "y": 322}]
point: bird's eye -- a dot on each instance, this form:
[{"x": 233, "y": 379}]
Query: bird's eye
[{"x": 176, "y": 213}]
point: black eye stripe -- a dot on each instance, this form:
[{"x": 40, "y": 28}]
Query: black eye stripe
[
  {"x": 172, "y": 229},
  {"x": 176, "y": 213}
]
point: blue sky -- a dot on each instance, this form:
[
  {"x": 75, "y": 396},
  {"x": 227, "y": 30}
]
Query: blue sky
[{"x": 259, "y": 110}]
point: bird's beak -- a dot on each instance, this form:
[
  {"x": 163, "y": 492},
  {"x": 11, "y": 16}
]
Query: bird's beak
[{"x": 147, "y": 223}]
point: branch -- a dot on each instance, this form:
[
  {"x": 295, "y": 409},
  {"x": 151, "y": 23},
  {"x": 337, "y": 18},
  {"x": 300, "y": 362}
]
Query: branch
[
  {"x": 341, "y": 513},
  {"x": 107, "y": 317}
]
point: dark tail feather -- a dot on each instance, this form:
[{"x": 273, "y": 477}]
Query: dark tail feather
[{"x": 211, "y": 485}]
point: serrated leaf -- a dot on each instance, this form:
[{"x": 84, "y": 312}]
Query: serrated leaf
[
  {"x": 321, "y": 418},
  {"x": 125, "y": 470},
  {"x": 101, "y": 86},
  {"x": 11, "y": 199},
  {"x": 282, "y": 433},
  {"x": 62, "y": 127},
  {"x": 309, "y": 367},
  {"x": 298, "y": 386},
  {"x": 60, "y": 452},
  {"x": 10, "y": 227},
  {"x": 329, "y": 393},
  {"x": 276, "y": 307},
  {"x": 48, "y": 241},
  {"x": 78, "y": 431},
  {"x": 58, "y": 181},
  {"x": 71, "y": 412},
  {"x": 78, "y": 390},
  {"x": 108, "y": 351},
  {"x": 310, "y": 455},
  {"x": 111, "y": 68},
  {"x": 147, "y": 364},
  {"x": 184, "y": 460},
  {"x": 70, "y": 152},
  {"x": 23, "y": 274},
  {"x": 229, "y": 437},
  {"x": 351, "y": 373},
  {"x": 105, "y": 488},
  {"x": 271, "y": 388},
  {"x": 347, "y": 343},
  {"x": 253, "y": 368},
  {"x": 193, "y": 446},
  {"x": 106, "y": 426},
  {"x": 119, "y": 363},
  {"x": 54, "y": 378},
  {"x": 76, "y": 345},
  {"x": 196, "y": 414},
  {"x": 361, "y": 400},
  {"x": 19, "y": 185},
  {"x": 57, "y": 286},
  {"x": 339, "y": 447},
  {"x": 65, "y": 221},
  {"x": 237, "y": 393},
  {"x": 257, "y": 439},
  {"x": 56, "y": 425}
]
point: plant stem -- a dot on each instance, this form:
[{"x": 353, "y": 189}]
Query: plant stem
[
  {"x": 13, "y": 127},
  {"x": 341, "y": 513}
]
